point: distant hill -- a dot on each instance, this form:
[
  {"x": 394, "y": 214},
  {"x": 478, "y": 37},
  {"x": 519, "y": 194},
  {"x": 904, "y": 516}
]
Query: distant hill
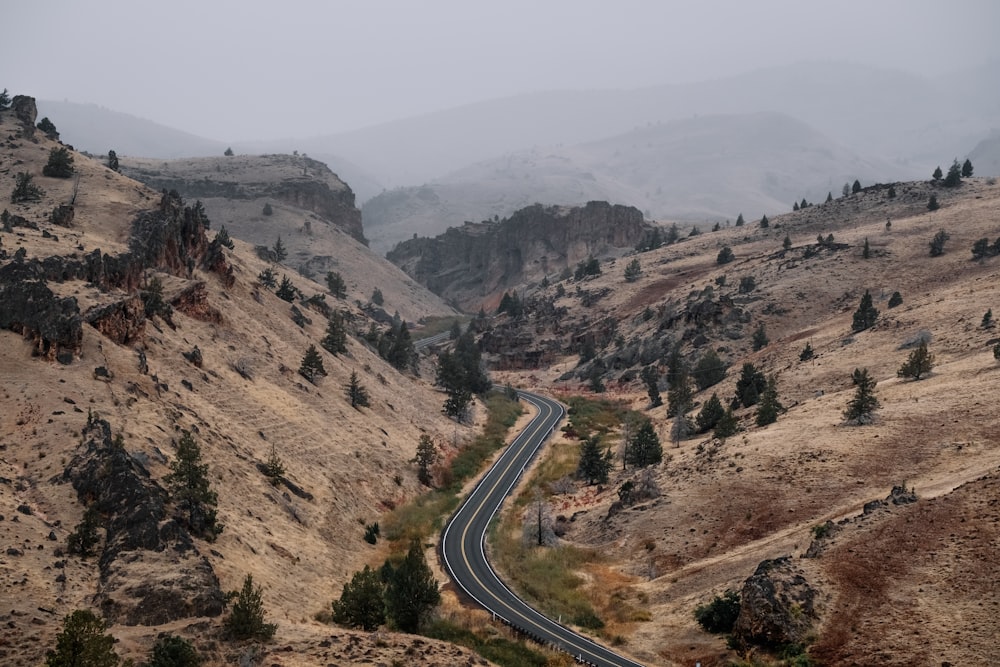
[
  {"x": 985, "y": 156},
  {"x": 705, "y": 168}
]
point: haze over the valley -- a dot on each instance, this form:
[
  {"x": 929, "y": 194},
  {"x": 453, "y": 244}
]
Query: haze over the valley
[{"x": 449, "y": 94}]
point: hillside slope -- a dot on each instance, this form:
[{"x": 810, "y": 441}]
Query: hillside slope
[{"x": 78, "y": 350}]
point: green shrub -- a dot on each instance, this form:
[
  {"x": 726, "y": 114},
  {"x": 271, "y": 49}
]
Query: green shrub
[
  {"x": 173, "y": 651},
  {"x": 720, "y": 614}
]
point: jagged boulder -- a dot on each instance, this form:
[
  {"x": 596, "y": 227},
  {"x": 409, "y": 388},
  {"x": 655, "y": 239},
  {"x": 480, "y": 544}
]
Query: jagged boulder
[
  {"x": 122, "y": 321},
  {"x": 776, "y": 606},
  {"x": 29, "y": 307},
  {"x": 151, "y": 569},
  {"x": 26, "y": 111}
]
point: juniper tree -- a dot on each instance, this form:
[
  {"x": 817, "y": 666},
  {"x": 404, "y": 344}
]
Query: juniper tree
[
  {"x": 267, "y": 278},
  {"x": 932, "y": 203},
  {"x": 919, "y": 363},
  {"x": 769, "y": 407},
  {"x": 595, "y": 462},
  {"x": 357, "y": 395},
  {"x": 362, "y": 601},
  {"x": 280, "y": 253},
  {"x": 377, "y": 297},
  {"x": 937, "y": 173},
  {"x": 829, "y": 197},
  {"x": 863, "y": 404},
  {"x": 427, "y": 456},
  {"x": 954, "y": 176},
  {"x": 711, "y": 412},
  {"x": 246, "y": 621},
  {"x": 725, "y": 255},
  {"x": 643, "y": 448},
  {"x": 335, "y": 283},
  {"x": 311, "y": 367},
  {"x": 739, "y": 220},
  {"x": 807, "y": 352},
  {"x": 764, "y": 222},
  {"x": 274, "y": 469},
  {"x": 335, "y": 341},
  {"x": 727, "y": 426},
  {"x": 749, "y": 386},
  {"x": 759, "y": 340},
  {"x": 967, "y": 169},
  {"x": 865, "y": 315},
  {"x": 48, "y": 127},
  {"x": 82, "y": 643},
  {"x": 173, "y": 651},
  {"x": 937, "y": 243},
  {"x": 112, "y": 162},
  {"x": 191, "y": 490},
  {"x": 856, "y": 187},
  {"x": 651, "y": 379},
  {"x": 710, "y": 369},
  {"x": 411, "y": 592},
  {"x": 24, "y": 190},
  {"x": 286, "y": 291},
  {"x": 633, "y": 271}
]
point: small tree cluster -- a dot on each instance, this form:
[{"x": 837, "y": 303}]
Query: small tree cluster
[
  {"x": 954, "y": 177},
  {"x": 750, "y": 385},
  {"x": 411, "y": 591},
  {"x": 511, "y": 304},
  {"x": 709, "y": 370},
  {"x": 719, "y": 615},
  {"x": 589, "y": 267},
  {"x": 460, "y": 373},
  {"x": 267, "y": 278},
  {"x": 49, "y": 128},
  {"x": 982, "y": 249},
  {"x": 710, "y": 415}
]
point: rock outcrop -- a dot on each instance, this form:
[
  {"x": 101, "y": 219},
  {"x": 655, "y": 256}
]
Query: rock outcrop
[
  {"x": 777, "y": 606},
  {"x": 151, "y": 569},
  {"x": 473, "y": 264}
]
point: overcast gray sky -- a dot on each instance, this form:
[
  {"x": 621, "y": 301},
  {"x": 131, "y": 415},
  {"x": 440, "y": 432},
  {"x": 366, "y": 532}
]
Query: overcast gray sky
[{"x": 248, "y": 69}]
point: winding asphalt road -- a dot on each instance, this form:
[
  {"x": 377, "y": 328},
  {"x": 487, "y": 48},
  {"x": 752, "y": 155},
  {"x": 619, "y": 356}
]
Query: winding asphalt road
[{"x": 464, "y": 540}]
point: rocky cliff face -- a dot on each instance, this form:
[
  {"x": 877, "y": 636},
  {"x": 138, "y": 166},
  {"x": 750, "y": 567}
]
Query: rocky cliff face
[
  {"x": 474, "y": 264},
  {"x": 295, "y": 180}
]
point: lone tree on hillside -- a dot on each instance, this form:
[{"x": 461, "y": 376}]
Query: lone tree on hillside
[
  {"x": 4, "y": 100},
  {"x": 112, "y": 162},
  {"x": 191, "y": 490},
  {"x": 311, "y": 367},
  {"x": 711, "y": 412},
  {"x": 274, "y": 468},
  {"x": 633, "y": 271},
  {"x": 595, "y": 464},
  {"x": 427, "y": 456},
  {"x": 861, "y": 407},
  {"x": 759, "y": 340},
  {"x": 643, "y": 448},
  {"x": 932, "y": 203},
  {"x": 807, "y": 352},
  {"x": 357, "y": 395},
  {"x": 411, "y": 592},
  {"x": 739, "y": 220},
  {"x": 967, "y": 169},
  {"x": 377, "y": 298},
  {"x": 228, "y": 152},
  {"x": 362, "y": 601},
  {"x": 247, "y": 618},
  {"x": 750, "y": 385},
  {"x": 787, "y": 243},
  {"x": 335, "y": 283},
  {"x": 82, "y": 643},
  {"x": 268, "y": 209},
  {"x": 937, "y": 243},
  {"x": 725, "y": 255},
  {"x": 865, "y": 315},
  {"x": 764, "y": 222},
  {"x": 919, "y": 363},
  {"x": 280, "y": 253},
  {"x": 937, "y": 173},
  {"x": 856, "y": 188},
  {"x": 287, "y": 290}
]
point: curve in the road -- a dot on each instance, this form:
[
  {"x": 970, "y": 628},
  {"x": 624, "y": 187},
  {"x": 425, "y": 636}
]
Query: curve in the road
[{"x": 464, "y": 540}]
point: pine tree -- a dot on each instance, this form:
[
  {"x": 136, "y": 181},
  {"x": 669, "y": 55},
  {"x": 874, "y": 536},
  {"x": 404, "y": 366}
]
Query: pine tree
[
  {"x": 644, "y": 448},
  {"x": 267, "y": 278},
  {"x": 710, "y": 415},
  {"x": 954, "y": 176},
  {"x": 795, "y": 206},
  {"x": 411, "y": 591},
  {"x": 856, "y": 187},
  {"x": 846, "y": 190},
  {"x": 932, "y": 203},
  {"x": 280, "y": 253},
  {"x": 82, "y": 643},
  {"x": 651, "y": 379},
  {"x": 864, "y": 402},
  {"x": 274, "y": 469},
  {"x": 725, "y": 255},
  {"x": 750, "y": 385},
  {"x": 335, "y": 283},
  {"x": 865, "y": 315},
  {"x": 427, "y": 456},
  {"x": 113, "y": 161},
  {"x": 807, "y": 352},
  {"x": 377, "y": 297},
  {"x": 769, "y": 407},
  {"x": 866, "y": 252},
  {"x": 709, "y": 370},
  {"x": 311, "y": 367},
  {"x": 759, "y": 340},
  {"x": 456, "y": 405},
  {"x": 633, "y": 271},
  {"x": 895, "y": 299},
  {"x": 48, "y": 127},
  {"x": 967, "y": 169},
  {"x": 937, "y": 174},
  {"x": 787, "y": 243},
  {"x": 60, "y": 164},
  {"x": 4, "y": 100},
  {"x": 401, "y": 352},
  {"x": 987, "y": 322},
  {"x": 362, "y": 601},
  {"x": 595, "y": 463},
  {"x": 728, "y": 425},
  {"x": 764, "y": 222},
  {"x": 191, "y": 490},
  {"x": 247, "y": 618},
  {"x": 287, "y": 290},
  {"x": 919, "y": 363},
  {"x": 829, "y": 197},
  {"x": 335, "y": 341},
  {"x": 680, "y": 396},
  {"x": 739, "y": 220},
  {"x": 357, "y": 395},
  {"x": 222, "y": 238}
]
